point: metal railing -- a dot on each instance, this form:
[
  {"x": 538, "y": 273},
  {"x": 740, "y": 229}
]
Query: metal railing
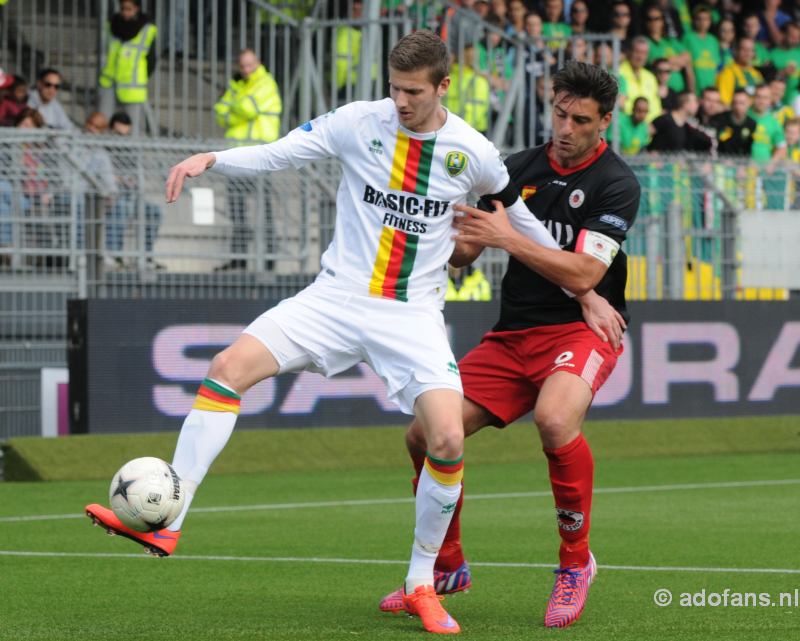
[
  {"x": 83, "y": 215},
  {"x": 316, "y": 51}
]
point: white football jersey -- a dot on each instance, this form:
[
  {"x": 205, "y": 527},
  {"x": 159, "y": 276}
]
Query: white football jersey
[{"x": 394, "y": 233}]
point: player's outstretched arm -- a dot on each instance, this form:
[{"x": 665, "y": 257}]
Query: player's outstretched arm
[
  {"x": 577, "y": 273},
  {"x": 192, "y": 167}
]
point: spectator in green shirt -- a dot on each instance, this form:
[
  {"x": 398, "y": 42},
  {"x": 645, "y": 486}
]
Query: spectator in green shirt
[
  {"x": 769, "y": 144},
  {"x": 554, "y": 25},
  {"x": 634, "y": 131},
  {"x": 786, "y": 59},
  {"x": 791, "y": 131},
  {"x": 751, "y": 25},
  {"x": 662, "y": 46},
  {"x": 779, "y": 108},
  {"x": 703, "y": 47},
  {"x": 769, "y": 149},
  {"x": 726, "y": 35}
]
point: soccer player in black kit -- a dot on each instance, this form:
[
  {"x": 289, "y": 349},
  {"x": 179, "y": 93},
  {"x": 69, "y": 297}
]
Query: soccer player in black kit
[{"x": 541, "y": 355}]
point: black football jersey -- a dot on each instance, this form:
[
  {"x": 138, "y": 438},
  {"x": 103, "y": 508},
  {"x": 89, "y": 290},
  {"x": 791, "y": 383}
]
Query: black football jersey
[{"x": 599, "y": 195}]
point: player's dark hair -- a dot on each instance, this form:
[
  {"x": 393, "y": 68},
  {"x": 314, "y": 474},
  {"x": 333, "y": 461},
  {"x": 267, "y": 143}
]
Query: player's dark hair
[
  {"x": 682, "y": 98},
  {"x": 120, "y": 117},
  {"x": 46, "y": 72},
  {"x": 584, "y": 80},
  {"x": 421, "y": 49}
]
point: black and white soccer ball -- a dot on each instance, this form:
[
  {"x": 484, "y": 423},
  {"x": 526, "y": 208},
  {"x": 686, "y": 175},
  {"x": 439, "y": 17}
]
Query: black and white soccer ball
[{"x": 146, "y": 494}]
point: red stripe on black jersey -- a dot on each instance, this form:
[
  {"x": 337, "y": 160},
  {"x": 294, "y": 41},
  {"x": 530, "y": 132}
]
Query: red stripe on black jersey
[
  {"x": 566, "y": 171},
  {"x": 601, "y": 194}
]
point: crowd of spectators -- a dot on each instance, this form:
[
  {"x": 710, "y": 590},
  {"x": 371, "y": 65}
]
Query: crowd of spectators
[{"x": 715, "y": 76}]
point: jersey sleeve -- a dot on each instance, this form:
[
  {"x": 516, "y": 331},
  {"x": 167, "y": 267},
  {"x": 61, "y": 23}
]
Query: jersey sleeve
[
  {"x": 615, "y": 209},
  {"x": 314, "y": 140},
  {"x": 492, "y": 177}
]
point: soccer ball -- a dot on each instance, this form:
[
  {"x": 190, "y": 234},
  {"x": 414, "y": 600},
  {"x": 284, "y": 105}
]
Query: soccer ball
[{"x": 146, "y": 494}]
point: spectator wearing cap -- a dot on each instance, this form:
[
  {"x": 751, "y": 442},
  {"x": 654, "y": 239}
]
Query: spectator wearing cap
[
  {"x": 44, "y": 99},
  {"x": 739, "y": 73}
]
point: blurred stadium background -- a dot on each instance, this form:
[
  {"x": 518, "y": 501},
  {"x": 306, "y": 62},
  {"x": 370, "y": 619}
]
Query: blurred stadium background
[{"x": 713, "y": 257}]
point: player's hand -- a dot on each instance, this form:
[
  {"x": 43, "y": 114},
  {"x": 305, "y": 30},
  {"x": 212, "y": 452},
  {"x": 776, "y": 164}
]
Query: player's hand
[
  {"x": 191, "y": 167},
  {"x": 602, "y": 318},
  {"x": 490, "y": 229}
]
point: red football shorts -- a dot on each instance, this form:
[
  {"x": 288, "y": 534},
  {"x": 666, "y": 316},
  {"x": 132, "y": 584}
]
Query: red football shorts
[{"x": 505, "y": 372}]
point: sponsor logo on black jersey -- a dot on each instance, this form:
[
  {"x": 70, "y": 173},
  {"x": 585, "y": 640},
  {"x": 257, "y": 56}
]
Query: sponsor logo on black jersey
[
  {"x": 528, "y": 191},
  {"x": 403, "y": 204},
  {"x": 614, "y": 221}
]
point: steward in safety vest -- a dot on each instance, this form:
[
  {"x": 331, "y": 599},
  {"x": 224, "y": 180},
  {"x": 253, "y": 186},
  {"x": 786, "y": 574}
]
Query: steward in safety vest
[
  {"x": 251, "y": 107},
  {"x": 131, "y": 56},
  {"x": 469, "y": 92},
  {"x": 467, "y": 284}
]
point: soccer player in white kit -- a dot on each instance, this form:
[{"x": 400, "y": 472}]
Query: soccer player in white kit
[{"x": 378, "y": 298}]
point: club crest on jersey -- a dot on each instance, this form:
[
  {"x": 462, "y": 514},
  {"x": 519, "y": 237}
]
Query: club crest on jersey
[
  {"x": 455, "y": 162},
  {"x": 576, "y": 198},
  {"x": 528, "y": 191},
  {"x": 568, "y": 520}
]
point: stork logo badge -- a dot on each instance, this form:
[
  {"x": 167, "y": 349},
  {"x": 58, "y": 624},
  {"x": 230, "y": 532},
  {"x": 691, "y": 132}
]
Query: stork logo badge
[{"x": 455, "y": 162}]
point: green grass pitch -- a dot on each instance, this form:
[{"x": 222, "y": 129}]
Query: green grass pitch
[{"x": 306, "y": 555}]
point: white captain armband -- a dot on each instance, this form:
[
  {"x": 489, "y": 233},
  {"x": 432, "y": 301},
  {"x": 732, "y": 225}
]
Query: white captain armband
[{"x": 597, "y": 245}]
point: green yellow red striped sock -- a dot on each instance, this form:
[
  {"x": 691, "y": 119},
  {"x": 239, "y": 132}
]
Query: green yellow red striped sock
[
  {"x": 445, "y": 472},
  {"x": 214, "y": 397}
]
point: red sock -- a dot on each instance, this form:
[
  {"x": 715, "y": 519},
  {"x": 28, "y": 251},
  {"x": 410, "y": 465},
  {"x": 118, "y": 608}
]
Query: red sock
[
  {"x": 451, "y": 556},
  {"x": 571, "y": 476}
]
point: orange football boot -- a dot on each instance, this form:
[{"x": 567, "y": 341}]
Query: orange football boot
[
  {"x": 426, "y": 604},
  {"x": 158, "y": 543}
]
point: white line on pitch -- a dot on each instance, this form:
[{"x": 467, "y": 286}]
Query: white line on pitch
[
  {"x": 340, "y": 561},
  {"x": 469, "y": 497}
]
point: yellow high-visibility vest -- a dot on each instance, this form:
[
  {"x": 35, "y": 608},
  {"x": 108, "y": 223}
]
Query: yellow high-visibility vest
[
  {"x": 474, "y": 287},
  {"x": 126, "y": 66},
  {"x": 251, "y": 108},
  {"x": 468, "y": 96}
]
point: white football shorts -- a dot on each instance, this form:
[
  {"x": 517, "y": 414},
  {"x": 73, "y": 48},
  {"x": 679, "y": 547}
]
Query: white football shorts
[{"x": 329, "y": 330}]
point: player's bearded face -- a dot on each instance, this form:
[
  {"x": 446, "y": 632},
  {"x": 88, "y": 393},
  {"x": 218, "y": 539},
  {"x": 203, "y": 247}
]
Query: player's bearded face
[
  {"x": 417, "y": 99},
  {"x": 577, "y": 127}
]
